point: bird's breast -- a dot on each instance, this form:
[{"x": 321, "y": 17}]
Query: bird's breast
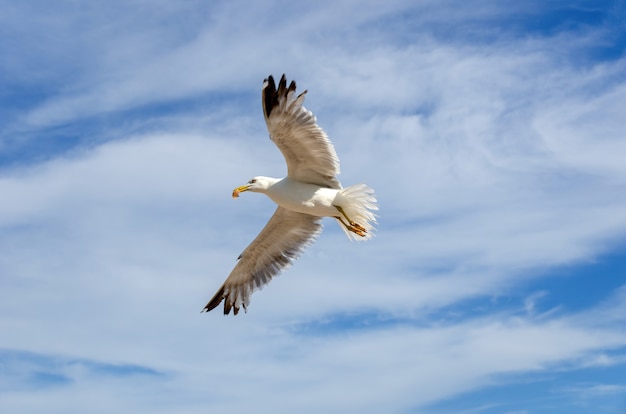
[{"x": 303, "y": 197}]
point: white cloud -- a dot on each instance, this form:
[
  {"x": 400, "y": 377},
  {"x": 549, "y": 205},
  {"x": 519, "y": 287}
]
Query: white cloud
[{"x": 491, "y": 162}]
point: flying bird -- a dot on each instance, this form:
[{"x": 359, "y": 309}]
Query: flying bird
[{"x": 309, "y": 192}]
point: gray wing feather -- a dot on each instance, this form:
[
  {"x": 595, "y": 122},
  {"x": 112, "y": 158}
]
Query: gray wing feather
[
  {"x": 280, "y": 242},
  {"x": 310, "y": 156}
]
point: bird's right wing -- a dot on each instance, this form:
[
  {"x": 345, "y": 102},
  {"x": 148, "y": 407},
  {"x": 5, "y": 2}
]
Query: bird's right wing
[{"x": 280, "y": 242}]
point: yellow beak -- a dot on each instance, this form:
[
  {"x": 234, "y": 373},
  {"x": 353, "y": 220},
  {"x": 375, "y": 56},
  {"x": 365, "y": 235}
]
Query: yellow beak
[{"x": 241, "y": 189}]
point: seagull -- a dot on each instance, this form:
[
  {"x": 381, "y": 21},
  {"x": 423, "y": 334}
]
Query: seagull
[{"x": 309, "y": 192}]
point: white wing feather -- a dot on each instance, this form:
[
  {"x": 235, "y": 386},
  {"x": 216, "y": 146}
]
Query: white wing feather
[{"x": 310, "y": 156}]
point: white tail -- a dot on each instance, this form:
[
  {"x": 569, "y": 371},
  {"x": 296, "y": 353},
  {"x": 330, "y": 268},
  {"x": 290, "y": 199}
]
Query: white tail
[{"x": 358, "y": 202}]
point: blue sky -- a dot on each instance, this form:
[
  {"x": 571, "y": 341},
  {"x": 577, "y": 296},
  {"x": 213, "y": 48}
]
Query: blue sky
[{"x": 492, "y": 133}]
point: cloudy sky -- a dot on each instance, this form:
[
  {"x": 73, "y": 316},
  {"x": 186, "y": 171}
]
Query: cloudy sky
[{"x": 492, "y": 132}]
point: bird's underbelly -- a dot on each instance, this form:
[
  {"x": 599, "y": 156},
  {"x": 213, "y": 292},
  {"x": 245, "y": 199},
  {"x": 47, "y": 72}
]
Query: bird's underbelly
[{"x": 305, "y": 198}]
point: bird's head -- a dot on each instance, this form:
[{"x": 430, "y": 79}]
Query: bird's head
[{"x": 257, "y": 185}]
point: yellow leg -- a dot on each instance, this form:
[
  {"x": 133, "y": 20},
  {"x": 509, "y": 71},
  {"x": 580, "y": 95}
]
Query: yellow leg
[{"x": 351, "y": 225}]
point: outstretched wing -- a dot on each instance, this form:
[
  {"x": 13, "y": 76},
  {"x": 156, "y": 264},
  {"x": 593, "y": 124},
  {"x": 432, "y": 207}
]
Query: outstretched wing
[
  {"x": 280, "y": 242},
  {"x": 310, "y": 156}
]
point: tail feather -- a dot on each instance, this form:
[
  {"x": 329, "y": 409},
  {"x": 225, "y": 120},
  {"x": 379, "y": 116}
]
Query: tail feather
[{"x": 359, "y": 203}]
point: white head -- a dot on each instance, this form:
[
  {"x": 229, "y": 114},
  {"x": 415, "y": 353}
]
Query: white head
[{"x": 257, "y": 184}]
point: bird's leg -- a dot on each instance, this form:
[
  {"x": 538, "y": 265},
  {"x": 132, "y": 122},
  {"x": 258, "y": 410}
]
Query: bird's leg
[{"x": 351, "y": 225}]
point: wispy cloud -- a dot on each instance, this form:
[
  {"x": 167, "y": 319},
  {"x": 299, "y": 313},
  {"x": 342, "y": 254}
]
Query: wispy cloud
[
  {"x": 492, "y": 135},
  {"x": 23, "y": 371}
]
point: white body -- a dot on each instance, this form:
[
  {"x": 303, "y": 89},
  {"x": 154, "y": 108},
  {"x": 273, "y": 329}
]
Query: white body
[
  {"x": 306, "y": 198},
  {"x": 356, "y": 202}
]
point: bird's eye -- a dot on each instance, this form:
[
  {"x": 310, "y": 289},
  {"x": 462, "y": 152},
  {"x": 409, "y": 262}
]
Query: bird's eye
[{"x": 252, "y": 181}]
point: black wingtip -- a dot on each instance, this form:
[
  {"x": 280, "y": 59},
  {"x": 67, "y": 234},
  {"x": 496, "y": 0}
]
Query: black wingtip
[
  {"x": 229, "y": 306},
  {"x": 282, "y": 85},
  {"x": 270, "y": 82},
  {"x": 271, "y": 94},
  {"x": 270, "y": 99},
  {"x": 215, "y": 300}
]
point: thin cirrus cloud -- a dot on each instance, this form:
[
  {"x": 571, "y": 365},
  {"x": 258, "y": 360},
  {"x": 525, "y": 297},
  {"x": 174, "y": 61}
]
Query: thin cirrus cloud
[{"x": 491, "y": 134}]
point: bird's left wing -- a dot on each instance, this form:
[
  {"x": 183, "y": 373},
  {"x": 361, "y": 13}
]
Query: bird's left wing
[
  {"x": 280, "y": 242},
  {"x": 310, "y": 156}
]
